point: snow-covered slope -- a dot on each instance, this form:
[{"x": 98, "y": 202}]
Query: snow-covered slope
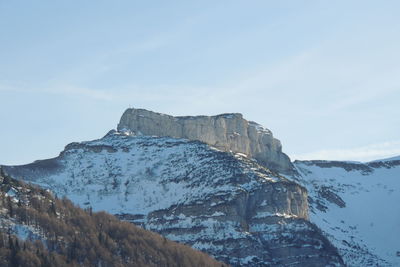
[
  {"x": 222, "y": 203},
  {"x": 37, "y": 229},
  {"x": 357, "y": 206}
]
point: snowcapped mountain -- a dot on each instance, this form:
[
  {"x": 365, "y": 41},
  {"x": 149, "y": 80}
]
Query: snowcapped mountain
[
  {"x": 228, "y": 132},
  {"x": 222, "y": 184},
  {"x": 356, "y": 206},
  {"x": 222, "y": 203}
]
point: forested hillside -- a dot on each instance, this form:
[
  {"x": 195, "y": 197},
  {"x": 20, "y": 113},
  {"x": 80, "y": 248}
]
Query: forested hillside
[{"x": 38, "y": 229}]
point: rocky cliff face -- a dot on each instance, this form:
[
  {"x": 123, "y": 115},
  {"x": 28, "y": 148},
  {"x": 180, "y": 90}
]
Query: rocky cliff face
[
  {"x": 227, "y": 132},
  {"x": 225, "y": 204}
]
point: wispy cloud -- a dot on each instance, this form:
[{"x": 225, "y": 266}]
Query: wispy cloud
[
  {"x": 80, "y": 91},
  {"x": 59, "y": 89},
  {"x": 330, "y": 82},
  {"x": 363, "y": 153}
]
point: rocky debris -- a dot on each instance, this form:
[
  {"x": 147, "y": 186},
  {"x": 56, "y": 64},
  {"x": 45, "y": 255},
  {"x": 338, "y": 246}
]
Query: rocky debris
[
  {"x": 226, "y": 132},
  {"x": 388, "y": 164},
  {"x": 328, "y": 194},
  {"x": 225, "y": 204},
  {"x": 348, "y": 166},
  {"x": 365, "y": 168}
]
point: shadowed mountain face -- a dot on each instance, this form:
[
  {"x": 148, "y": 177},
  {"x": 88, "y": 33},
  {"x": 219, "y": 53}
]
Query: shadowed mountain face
[
  {"x": 226, "y": 132},
  {"x": 222, "y": 203},
  {"x": 37, "y": 229},
  {"x": 355, "y": 204}
]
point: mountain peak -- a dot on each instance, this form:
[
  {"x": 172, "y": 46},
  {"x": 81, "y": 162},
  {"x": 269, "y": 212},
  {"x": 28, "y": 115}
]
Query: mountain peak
[{"x": 226, "y": 132}]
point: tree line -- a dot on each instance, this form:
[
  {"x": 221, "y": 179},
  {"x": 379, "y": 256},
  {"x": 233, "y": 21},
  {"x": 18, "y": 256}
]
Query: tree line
[{"x": 66, "y": 235}]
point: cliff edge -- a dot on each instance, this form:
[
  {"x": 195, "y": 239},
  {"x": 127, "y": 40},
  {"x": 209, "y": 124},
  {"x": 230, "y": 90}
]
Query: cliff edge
[{"x": 226, "y": 132}]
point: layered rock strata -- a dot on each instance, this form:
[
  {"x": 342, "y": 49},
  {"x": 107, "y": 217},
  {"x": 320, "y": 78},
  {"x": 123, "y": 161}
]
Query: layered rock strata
[
  {"x": 222, "y": 203},
  {"x": 226, "y": 132}
]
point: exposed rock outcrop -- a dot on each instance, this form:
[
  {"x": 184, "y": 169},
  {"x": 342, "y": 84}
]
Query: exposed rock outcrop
[
  {"x": 221, "y": 203},
  {"x": 227, "y": 132}
]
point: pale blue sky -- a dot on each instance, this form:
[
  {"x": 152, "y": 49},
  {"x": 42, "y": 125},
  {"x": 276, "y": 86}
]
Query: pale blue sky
[{"x": 324, "y": 76}]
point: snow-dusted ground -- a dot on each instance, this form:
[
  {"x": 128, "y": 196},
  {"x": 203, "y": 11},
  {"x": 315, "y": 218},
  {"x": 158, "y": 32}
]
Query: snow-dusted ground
[
  {"x": 222, "y": 203},
  {"x": 11, "y": 225},
  {"x": 366, "y": 229},
  {"x": 137, "y": 175}
]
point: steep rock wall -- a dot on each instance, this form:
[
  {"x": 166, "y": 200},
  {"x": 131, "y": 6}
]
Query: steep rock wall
[{"x": 227, "y": 132}]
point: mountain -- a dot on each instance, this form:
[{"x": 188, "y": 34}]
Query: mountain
[
  {"x": 37, "y": 229},
  {"x": 222, "y": 203},
  {"x": 356, "y": 206},
  {"x": 222, "y": 184},
  {"x": 226, "y": 132}
]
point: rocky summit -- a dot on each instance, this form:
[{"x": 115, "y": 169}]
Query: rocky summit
[
  {"x": 227, "y": 132},
  {"x": 224, "y": 203}
]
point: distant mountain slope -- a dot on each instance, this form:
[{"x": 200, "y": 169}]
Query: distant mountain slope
[
  {"x": 37, "y": 229},
  {"x": 357, "y": 206},
  {"x": 221, "y": 203}
]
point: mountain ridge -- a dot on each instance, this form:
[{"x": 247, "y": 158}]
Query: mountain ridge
[
  {"x": 222, "y": 203},
  {"x": 348, "y": 202},
  {"x": 227, "y": 132}
]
